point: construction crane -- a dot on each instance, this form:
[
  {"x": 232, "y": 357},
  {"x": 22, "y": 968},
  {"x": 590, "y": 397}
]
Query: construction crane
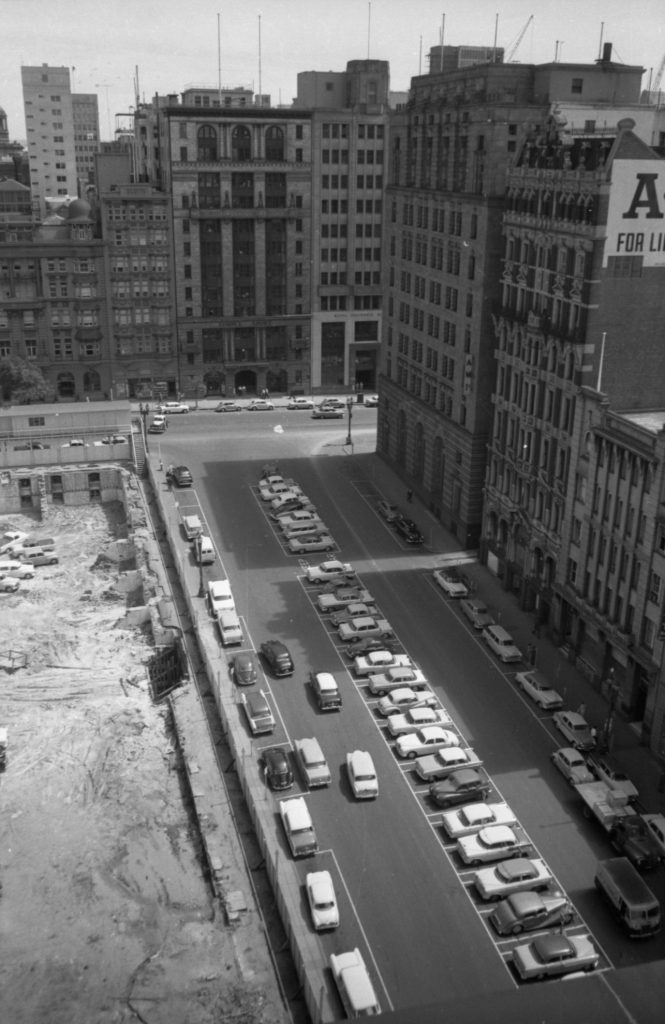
[
  {"x": 514, "y": 47},
  {"x": 659, "y": 76}
]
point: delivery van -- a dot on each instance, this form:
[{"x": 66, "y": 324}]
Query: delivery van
[
  {"x": 192, "y": 526},
  {"x": 629, "y": 896},
  {"x": 205, "y": 551}
]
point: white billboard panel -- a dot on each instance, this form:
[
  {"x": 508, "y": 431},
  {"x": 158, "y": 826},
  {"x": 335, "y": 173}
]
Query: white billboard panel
[{"x": 636, "y": 214}]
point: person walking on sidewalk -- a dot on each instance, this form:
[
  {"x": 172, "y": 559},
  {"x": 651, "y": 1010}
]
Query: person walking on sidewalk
[{"x": 409, "y": 496}]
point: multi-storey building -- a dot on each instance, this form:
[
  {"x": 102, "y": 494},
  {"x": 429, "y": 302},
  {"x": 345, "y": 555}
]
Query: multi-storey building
[
  {"x": 61, "y": 128},
  {"x": 13, "y": 157}
]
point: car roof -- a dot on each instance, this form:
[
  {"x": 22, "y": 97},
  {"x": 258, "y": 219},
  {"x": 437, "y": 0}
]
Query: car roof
[
  {"x": 553, "y": 945},
  {"x": 257, "y": 701}
]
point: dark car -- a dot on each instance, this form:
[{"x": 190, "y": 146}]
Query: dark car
[
  {"x": 244, "y": 669},
  {"x": 180, "y": 475},
  {"x": 276, "y": 768},
  {"x": 31, "y": 446},
  {"x": 370, "y": 643},
  {"x": 278, "y": 658},
  {"x": 408, "y": 530},
  {"x": 531, "y": 911},
  {"x": 460, "y": 787},
  {"x": 114, "y": 439},
  {"x": 631, "y": 837}
]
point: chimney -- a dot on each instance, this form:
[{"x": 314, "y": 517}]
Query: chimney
[{"x": 607, "y": 53}]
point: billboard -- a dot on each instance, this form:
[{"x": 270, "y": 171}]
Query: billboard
[{"x": 636, "y": 213}]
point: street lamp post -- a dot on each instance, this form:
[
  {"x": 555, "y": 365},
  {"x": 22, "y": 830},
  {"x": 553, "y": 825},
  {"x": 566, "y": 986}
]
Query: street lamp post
[{"x": 349, "y": 409}]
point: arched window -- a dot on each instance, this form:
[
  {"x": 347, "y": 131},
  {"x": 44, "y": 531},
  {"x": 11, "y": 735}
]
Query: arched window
[
  {"x": 274, "y": 143},
  {"x": 66, "y": 385},
  {"x": 241, "y": 143},
  {"x": 206, "y": 142}
]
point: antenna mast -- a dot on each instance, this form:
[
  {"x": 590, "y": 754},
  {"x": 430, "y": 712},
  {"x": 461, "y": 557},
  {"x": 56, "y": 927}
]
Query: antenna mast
[
  {"x": 369, "y": 25},
  {"x": 260, "y": 87},
  {"x": 219, "y": 61}
]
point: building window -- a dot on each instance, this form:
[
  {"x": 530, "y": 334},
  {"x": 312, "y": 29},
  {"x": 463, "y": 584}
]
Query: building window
[{"x": 576, "y": 86}]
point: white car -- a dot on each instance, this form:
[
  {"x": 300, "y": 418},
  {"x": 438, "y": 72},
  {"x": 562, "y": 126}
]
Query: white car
[
  {"x": 425, "y": 740},
  {"x": 450, "y": 583},
  {"x": 617, "y": 780},
  {"x": 443, "y": 762},
  {"x": 365, "y": 625},
  {"x": 523, "y": 874},
  {"x": 572, "y": 766},
  {"x": 300, "y": 403},
  {"x": 19, "y": 570},
  {"x": 366, "y": 664},
  {"x": 387, "y": 510},
  {"x": 464, "y": 821},
  {"x": 575, "y": 728},
  {"x": 501, "y": 642},
  {"x": 362, "y": 775},
  {"x": 268, "y": 491},
  {"x": 342, "y": 597},
  {"x": 9, "y": 584},
  {"x": 169, "y": 408},
  {"x": 555, "y": 954},
  {"x": 371, "y": 401},
  {"x": 11, "y": 539},
  {"x": 260, "y": 405},
  {"x": 310, "y": 542},
  {"x": 322, "y": 900},
  {"x": 220, "y": 597},
  {"x": 536, "y": 686},
  {"x": 381, "y": 683},
  {"x": 493, "y": 843},
  {"x": 414, "y": 708},
  {"x": 331, "y": 570},
  {"x": 476, "y": 612},
  {"x": 355, "y": 610},
  {"x": 313, "y": 764}
]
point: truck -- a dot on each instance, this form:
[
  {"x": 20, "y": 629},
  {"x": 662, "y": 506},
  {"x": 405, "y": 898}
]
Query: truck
[
  {"x": 603, "y": 803},
  {"x": 628, "y": 895},
  {"x": 354, "y": 984},
  {"x": 627, "y": 831}
]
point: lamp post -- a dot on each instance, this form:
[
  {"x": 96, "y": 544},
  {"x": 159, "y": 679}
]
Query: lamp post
[
  {"x": 349, "y": 409},
  {"x": 144, "y": 409}
]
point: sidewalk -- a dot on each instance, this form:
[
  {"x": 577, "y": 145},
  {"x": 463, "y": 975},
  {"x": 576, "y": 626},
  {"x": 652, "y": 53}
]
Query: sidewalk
[{"x": 635, "y": 759}]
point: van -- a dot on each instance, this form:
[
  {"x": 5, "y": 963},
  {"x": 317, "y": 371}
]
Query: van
[
  {"x": 192, "y": 526},
  {"x": 629, "y": 896},
  {"x": 205, "y": 551},
  {"x": 326, "y": 691},
  {"x": 45, "y": 543},
  {"x": 502, "y": 643},
  {"x": 354, "y": 984},
  {"x": 230, "y": 629},
  {"x": 309, "y": 529}
]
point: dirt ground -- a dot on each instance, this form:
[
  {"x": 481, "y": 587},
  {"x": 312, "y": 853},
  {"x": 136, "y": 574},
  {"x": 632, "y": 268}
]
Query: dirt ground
[{"x": 105, "y": 916}]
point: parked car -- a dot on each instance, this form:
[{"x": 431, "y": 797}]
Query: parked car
[
  {"x": 260, "y": 405},
  {"x": 322, "y": 900},
  {"x": 493, "y": 843},
  {"x": 365, "y": 625},
  {"x": 656, "y": 825},
  {"x": 298, "y": 827},
  {"x": 381, "y": 683},
  {"x": 501, "y": 642},
  {"x": 291, "y": 504},
  {"x": 335, "y": 403},
  {"x": 11, "y": 539},
  {"x": 19, "y": 570},
  {"x": 378, "y": 660},
  {"x": 604, "y": 770},
  {"x": 371, "y": 400},
  {"x": 331, "y": 570},
  {"x": 220, "y": 598},
  {"x": 9, "y": 584},
  {"x": 342, "y": 598},
  {"x": 310, "y": 542},
  {"x": 326, "y": 691},
  {"x": 114, "y": 439},
  {"x": 179, "y": 475},
  {"x": 158, "y": 425},
  {"x": 575, "y": 728},
  {"x": 476, "y": 612},
  {"x": 387, "y": 646},
  {"x": 387, "y": 510},
  {"x": 531, "y": 911},
  {"x": 362, "y": 775},
  {"x": 416, "y": 717},
  {"x": 276, "y": 768},
  {"x": 518, "y": 875},
  {"x": 572, "y": 765},
  {"x": 43, "y": 558},
  {"x": 450, "y": 583},
  {"x": 312, "y": 762},
  {"x": 353, "y": 611},
  {"x": 408, "y": 530},
  {"x": 277, "y": 657},
  {"x": 632, "y": 837},
  {"x": 31, "y": 446},
  {"x": 172, "y": 408},
  {"x": 228, "y": 407},
  {"x": 459, "y": 786},
  {"x": 555, "y": 954},
  {"x": 258, "y": 712},
  {"x": 244, "y": 669},
  {"x": 536, "y": 686},
  {"x": 297, "y": 402},
  {"x": 327, "y": 412},
  {"x": 424, "y": 741},
  {"x": 470, "y": 818},
  {"x": 443, "y": 762}
]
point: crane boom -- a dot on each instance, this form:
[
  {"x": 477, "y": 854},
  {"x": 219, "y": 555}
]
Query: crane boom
[
  {"x": 659, "y": 75},
  {"x": 513, "y": 49}
]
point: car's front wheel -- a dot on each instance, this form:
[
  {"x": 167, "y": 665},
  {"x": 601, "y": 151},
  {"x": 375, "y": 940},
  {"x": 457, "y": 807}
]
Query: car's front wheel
[{"x": 411, "y": 755}]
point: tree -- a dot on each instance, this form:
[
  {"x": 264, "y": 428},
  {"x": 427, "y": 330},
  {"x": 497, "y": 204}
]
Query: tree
[{"x": 23, "y": 384}]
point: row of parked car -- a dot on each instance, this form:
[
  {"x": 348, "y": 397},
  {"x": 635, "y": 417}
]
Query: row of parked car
[
  {"x": 293, "y": 516},
  {"x": 20, "y": 554}
]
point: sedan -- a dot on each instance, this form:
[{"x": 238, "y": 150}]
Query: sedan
[
  {"x": 493, "y": 843},
  {"x": 608, "y": 773},
  {"x": 572, "y": 766},
  {"x": 476, "y": 612},
  {"x": 388, "y": 511},
  {"x": 244, "y": 669},
  {"x": 300, "y": 403},
  {"x": 425, "y": 740},
  {"x": 322, "y": 900},
  {"x": 372, "y": 645},
  {"x": 460, "y": 786},
  {"x": 353, "y": 611},
  {"x": 443, "y": 762},
  {"x": 260, "y": 405},
  {"x": 180, "y": 476},
  {"x": 362, "y": 775},
  {"x": 276, "y": 768},
  {"x": 365, "y": 625},
  {"x": 278, "y": 657},
  {"x": 450, "y": 583},
  {"x": 9, "y": 584},
  {"x": 220, "y": 598},
  {"x": 529, "y": 912},
  {"x": 114, "y": 439},
  {"x": 20, "y": 571},
  {"x": 332, "y": 570},
  {"x": 306, "y": 544},
  {"x": 408, "y": 530},
  {"x": 472, "y": 817},
  {"x": 536, "y": 686},
  {"x": 519, "y": 875},
  {"x": 228, "y": 407},
  {"x": 44, "y": 558},
  {"x": 327, "y": 412},
  {"x": 169, "y": 408},
  {"x": 371, "y": 401},
  {"x": 393, "y": 679},
  {"x": 550, "y": 956},
  {"x": 422, "y": 711},
  {"x": 575, "y": 728},
  {"x": 341, "y": 597}
]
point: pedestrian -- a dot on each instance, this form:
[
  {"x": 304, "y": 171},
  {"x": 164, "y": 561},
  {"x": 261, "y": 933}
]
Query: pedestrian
[
  {"x": 409, "y": 496},
  {"x": 536, "y": 630},
  {"x": 582, "y": 710}
]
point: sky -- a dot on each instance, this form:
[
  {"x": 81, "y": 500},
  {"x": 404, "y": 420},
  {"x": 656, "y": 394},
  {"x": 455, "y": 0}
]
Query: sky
[{"x": 174, "y": 43}]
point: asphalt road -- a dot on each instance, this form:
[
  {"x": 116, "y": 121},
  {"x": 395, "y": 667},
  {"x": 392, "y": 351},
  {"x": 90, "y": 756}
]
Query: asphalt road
[{"x": 404, "y": 896}]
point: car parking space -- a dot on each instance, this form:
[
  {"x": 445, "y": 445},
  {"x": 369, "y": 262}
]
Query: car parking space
[{"x": 301, "y": 540}]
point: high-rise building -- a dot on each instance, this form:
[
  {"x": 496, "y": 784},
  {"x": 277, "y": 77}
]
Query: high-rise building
[{"x": 62, "y": 130}]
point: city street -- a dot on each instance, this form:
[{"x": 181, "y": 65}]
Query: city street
[{"x": 404, "y": 894}]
